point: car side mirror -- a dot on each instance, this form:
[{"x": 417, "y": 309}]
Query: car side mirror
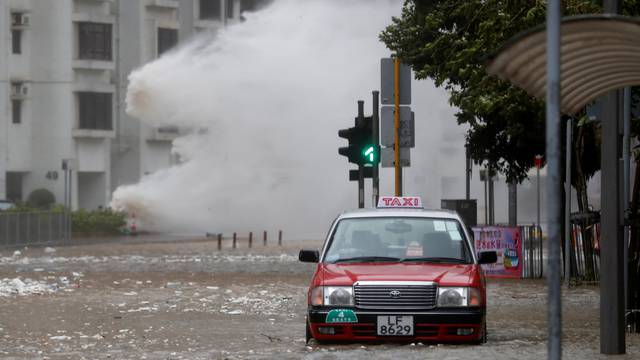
[
  {"x": 311, "y": 256},
  {"x": 488, "y": 257}
]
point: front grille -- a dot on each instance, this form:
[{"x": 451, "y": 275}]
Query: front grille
[
  {"x": 426, "y": 330},
  {"x": 389, "y": 296},
  {"x": 363, "y": 329}
]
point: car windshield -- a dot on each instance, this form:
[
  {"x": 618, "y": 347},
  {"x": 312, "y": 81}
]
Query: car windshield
[{"x": 387, "y": 239}]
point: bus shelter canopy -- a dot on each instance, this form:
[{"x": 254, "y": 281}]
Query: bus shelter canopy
[{"x": 599, "y": 53}]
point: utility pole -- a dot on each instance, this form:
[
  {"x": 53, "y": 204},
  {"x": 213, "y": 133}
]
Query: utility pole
[
  {"x": 567, "y": 205},
  {"x": 554, "y": 311},
  {"x": 612, "y": 327},
  {"x": 626, "y": 188}
]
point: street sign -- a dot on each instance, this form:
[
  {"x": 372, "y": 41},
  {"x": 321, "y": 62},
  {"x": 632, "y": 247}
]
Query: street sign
[
  {"x": 406, "y": 132},
  {"x": 387, "y": 157},
  {"x": 387, "y": 86}
]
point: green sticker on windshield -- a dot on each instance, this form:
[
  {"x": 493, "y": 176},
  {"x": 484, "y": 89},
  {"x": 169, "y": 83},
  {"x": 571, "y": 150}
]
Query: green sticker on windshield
[{"x": 341, "y": 316}]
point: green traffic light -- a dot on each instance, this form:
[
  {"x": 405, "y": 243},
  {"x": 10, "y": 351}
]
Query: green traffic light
[{"x": 370, "y": 154}]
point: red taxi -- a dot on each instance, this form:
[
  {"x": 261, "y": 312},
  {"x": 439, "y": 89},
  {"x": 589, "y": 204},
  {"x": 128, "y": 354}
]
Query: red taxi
[{"x": 397, "y": 272}]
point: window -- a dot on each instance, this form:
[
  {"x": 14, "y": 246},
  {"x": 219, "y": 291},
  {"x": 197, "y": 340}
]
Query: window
[
  {"x": 229, "y": 9},
  {"x": 210, "y": 9},
  {"x": 252, "y": 5},
  {"x": 94, "y": 110},
  {"x": 167, "y": 38},
  {"x": 94, "y": 41},
  {"x": 16, "y": 111},
  {"x": 16, "y": 41}
]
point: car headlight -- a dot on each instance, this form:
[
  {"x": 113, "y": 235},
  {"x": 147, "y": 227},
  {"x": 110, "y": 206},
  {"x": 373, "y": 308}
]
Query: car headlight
[
  {"x": 338, "y": 295},
  {"x": 458, "y": 297}
]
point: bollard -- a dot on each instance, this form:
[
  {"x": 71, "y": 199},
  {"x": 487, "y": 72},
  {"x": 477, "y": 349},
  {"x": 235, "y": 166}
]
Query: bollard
[
  {"x": 234, "y": 240},
  {"x": 250, "y": 239},
  {"x": 219, "y": 241},
  {"x": 279, "y": 237},
  {"x": 264, "y": 238}
]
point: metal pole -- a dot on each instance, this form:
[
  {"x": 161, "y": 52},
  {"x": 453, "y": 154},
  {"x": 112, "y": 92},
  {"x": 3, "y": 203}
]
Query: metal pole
[
  {"x": 360, "y": 186},
  {"x": 375, "y": 180},
  {"x": 554, "y": 312},
  {"x": 70, "y": 205},
  {"x": 567, "y": 206},
  {"x": 29, "y": 228},
  {"x": 486, "y": 207},
  {"x": 467, "y": 174},
  {"x": 626, "y": 187},
  {"x": 18, "y": 228},
  {"x": 396, "y": 127},
  {"x": 513, "y": 203},
  {"x": 538, "y": 183},
  {"x": 250, "y": 239},
  {"x": 66, "y": 201},
  {"x": 492, "y": 219},
  {"x": 234, "y": 240},
  {"x": 359, "y": 122},
  {"x": 612, "y": 335}
]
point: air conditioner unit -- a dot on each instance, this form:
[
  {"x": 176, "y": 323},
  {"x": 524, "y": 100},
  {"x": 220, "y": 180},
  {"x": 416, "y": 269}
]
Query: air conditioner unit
[
  {"x": 20, "y": 19},
  {"x": 19, "y": 90}
]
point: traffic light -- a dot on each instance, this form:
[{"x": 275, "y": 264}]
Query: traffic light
[
  {"x": 361, "y": 150},
  {"x": 349, "y": 151},
  {"x": 368, "y": 149}
]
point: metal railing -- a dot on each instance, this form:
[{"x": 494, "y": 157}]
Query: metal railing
[
  {"x": 532, "y": 251},
  {"x": 585, "y": 243},
  {"x": 34, "y": 228}
]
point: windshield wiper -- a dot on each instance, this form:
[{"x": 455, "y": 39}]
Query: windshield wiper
[
  {"x": 367, "y": 258},
  {"x": 437, "y": 260}
]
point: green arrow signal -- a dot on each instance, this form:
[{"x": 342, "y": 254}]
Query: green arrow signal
[{"x": 370, "y": 153}]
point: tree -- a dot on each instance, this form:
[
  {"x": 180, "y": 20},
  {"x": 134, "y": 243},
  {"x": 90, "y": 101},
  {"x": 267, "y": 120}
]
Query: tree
[{"x": 448, "y": 41}]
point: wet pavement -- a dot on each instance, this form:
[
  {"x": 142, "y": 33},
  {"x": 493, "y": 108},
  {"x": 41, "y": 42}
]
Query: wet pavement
[{"x": 187, "y": 300}]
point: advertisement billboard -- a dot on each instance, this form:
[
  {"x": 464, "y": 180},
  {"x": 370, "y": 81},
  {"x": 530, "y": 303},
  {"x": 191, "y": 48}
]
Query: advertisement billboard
[{"x": 507, "y": 243}]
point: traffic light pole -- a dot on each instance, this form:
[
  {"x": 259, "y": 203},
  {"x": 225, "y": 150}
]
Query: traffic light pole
[
  {"x": 360, "y": 186},
  {"x": 360, "y": 167},
  {"x": 376, "y": 142}
]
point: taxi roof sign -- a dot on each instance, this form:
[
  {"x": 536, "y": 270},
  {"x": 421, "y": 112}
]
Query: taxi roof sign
[{"x": 404, "y": 202}]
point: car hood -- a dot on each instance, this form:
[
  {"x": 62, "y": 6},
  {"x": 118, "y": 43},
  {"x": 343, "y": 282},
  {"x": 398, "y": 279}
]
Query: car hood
[{"x": 444, "y": 274}]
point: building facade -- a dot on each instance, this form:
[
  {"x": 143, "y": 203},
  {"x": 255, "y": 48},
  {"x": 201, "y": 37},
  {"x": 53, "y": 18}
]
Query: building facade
[{"x": 63, "y": 81}]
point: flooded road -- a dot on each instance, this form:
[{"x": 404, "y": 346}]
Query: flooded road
[{"x": 187, "y": 300}]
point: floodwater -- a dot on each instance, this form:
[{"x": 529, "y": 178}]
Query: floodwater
[{"x": 187, "y": 300}]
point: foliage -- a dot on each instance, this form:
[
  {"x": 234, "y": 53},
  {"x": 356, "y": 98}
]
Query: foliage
[
  {"x": 97, "y": 222},
  {"x": 41, "y": 199},
  {"x": 448, "y": 41}
]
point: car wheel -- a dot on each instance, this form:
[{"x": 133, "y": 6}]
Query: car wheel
[
  {"x": 308, "y": 331},
  {"x": 483, "y": 339}
]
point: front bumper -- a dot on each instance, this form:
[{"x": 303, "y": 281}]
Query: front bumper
[{"x": 438, "y": 325}]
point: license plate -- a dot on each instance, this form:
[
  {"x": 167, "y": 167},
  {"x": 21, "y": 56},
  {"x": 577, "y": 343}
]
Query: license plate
[{"x": 395, "y": 325}]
